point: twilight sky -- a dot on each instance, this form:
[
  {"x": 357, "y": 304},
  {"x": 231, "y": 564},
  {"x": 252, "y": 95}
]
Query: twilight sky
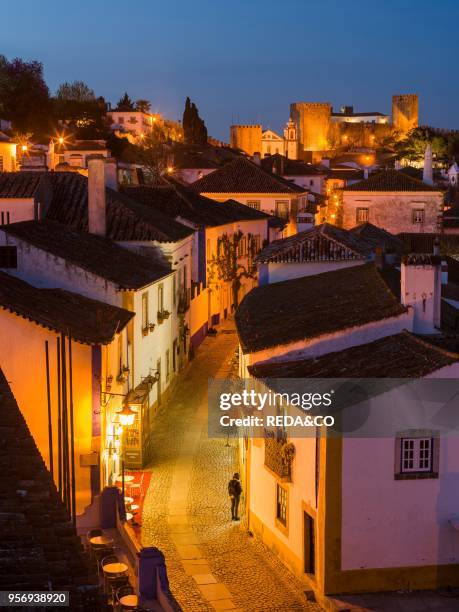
[{"x": 246, "y": 60}]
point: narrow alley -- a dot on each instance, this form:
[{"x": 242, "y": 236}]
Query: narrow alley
[{"x": 213, "y": 564}]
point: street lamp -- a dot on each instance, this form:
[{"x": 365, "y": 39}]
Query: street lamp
[{"x": 126, "y": 415}]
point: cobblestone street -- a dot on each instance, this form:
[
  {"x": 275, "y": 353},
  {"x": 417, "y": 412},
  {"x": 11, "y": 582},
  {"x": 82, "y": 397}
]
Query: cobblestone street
[{"x": 213, "y": 564}]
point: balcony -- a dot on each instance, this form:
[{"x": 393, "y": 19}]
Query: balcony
[
  {"x": 279, "y": 456},
  {"x": 183, "y": 300}
]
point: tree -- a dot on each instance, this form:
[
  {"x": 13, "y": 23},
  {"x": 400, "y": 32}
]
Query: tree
[
  {"x": 234, "y": 261},
  {"x": 143, "y": 106},
  {"x": 24, "y": 96},
  {"x": 194, "y": 128},
  {"x": 77, "y": 91},
  {"x": 125, "y": 103}
]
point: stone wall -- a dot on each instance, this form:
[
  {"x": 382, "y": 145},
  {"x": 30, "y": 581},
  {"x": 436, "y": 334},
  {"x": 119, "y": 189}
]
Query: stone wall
[
  {"x": 247, "y": 138},
  {"x": 313, "y": 123},
  {"x": 405, "y": 112}
]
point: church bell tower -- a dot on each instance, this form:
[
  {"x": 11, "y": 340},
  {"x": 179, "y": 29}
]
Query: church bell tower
[{"x": 291, "y": 140}]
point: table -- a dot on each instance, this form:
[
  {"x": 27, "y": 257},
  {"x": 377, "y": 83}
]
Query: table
[
  {"x": 127, "y": 478},
  {"x": 115, "y": 568},
  {"x": 130, "y": 601},
  {"x": 101, "y": 541}
]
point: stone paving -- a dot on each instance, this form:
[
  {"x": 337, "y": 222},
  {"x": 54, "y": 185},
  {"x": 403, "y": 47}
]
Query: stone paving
[{"x": 213, "y": 564}]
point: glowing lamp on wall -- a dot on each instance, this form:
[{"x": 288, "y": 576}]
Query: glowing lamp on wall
[{"x": 126, "y": 416}]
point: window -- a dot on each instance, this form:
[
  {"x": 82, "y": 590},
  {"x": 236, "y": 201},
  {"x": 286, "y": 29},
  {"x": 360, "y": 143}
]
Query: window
[
  {"x": 5, "y": 218},
  {"x": 256, "y": 244},
  {"x": 174, "y": 290},
  {"x": 8, "y": 257},
  {"x": 209, "y": 254},
  {"x": 161, "y": 298},
  {"x": 281, "y": 505},
  {"x": 417, "y": 455},
  {"x": 168, "y": 365},
  {"x": 311, "y": 182},
  {"x": 309, "y": 544},
  {"x": 174, "y": 355},
  {"x": 1, "y": 163},
  {"x": 282, "y": 209},
  {"x": 418, "y": 215},
  {"x": 145, "y": 320},
  {"x": 254, "y": 204},
  {"x": 362, "y": 215},
  {"x": 185, "y": 277},
  {"x": 120, "y": 119}
]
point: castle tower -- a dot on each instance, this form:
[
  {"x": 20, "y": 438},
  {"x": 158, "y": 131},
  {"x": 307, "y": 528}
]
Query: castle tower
[
  {"x": 312, "y": 120},
  {"x": 291, "y": 140},
  {"x": 405, "y": 112},
  {"x": 247, "y": 138}
]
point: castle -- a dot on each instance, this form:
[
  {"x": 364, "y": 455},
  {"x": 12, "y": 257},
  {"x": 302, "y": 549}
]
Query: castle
[{"x": 313, "y": 129}]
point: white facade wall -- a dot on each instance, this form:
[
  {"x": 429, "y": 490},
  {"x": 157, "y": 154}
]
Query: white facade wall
[
  {"x": 398, "y": 523},
  {"x": 394, "y": 211},
  {"x": 313, "y": 183},
  {"x": 13, "y": 210},
  {"x": 421, "y": 289},
  {"x": 301, "y": 491},
  {"x": 277, "y": 272}
]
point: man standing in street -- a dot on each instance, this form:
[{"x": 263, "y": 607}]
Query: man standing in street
[{"x": 234, "y": 491}]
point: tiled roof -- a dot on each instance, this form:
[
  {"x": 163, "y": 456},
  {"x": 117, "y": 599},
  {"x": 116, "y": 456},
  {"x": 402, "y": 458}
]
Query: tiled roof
[
  {"x": 94, "y": 254},
  {"x": 243, "y": 176},
  {"x": 40, "y": 549},
  {"x": 424, "y": 243},
  {"x": 177, "y": 201},
  {"x": 19, "y": 184},
  {"x": 87, "y": 321},
  {"x": 379, "y": 237},
  {"x": 127, "y": 220},
  {"x": 311, "y": 306},
  {"x": 290, "y": 167},
  {"x": 390, "y": 180},
  {"x": 399, "y": 356},
  {"x": 343, "y": 174},
  {"x": 321, "y": 243}
]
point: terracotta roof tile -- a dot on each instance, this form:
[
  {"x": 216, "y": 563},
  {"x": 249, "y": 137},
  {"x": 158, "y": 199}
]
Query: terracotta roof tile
[
  {"x": 390, "y": 180},
  {"x": 311, "y": 306},
  {"x": 377, "y": 236},
  {"x": 87, "y": 321},
  {"x": 126, "y": 218},
  {"x": 178, "y": 201},
  {"x": 321, "y": 243},
  {"x": 399, "y": 356},
  {"x": 243, "y": 176},
  {"x": 20, "y": 184},
  {"x": 95, "y": 254}
]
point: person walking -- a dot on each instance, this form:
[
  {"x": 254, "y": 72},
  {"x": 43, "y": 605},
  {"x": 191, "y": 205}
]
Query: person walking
[{"x": 234, "y": 491}]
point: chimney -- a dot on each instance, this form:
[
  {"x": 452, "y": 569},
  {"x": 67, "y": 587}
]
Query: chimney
[
  {"x": 281, "y": 165},
  {"x": 421, "y": 277},
  {"x": 427, "y": 173},
  {"x": 365, "y": 173},
  {"x": 50, "y": 156},
  {"x": 256, "y": 158},
  {"x": 325, "y": 162},
  {"x": 111, "y": 173},
  {"x": 96, "y": 195},
  {"x": 397, "y": 165},
  {"x": 380, "y": 258}
]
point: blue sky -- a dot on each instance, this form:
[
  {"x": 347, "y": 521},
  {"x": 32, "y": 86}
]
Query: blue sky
[{"x": 246, "y": 60}]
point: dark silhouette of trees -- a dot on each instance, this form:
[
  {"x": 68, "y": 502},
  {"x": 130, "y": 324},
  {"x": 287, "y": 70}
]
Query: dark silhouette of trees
[
  {"x": 24, "y": 96},
  {"x": 143, "y": 106},
  {"x": 194, "y": 128},
  {"x": 125, "y": 103}
]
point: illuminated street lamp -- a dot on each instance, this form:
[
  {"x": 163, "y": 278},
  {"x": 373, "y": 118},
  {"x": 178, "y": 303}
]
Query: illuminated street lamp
[{"x": 126, "y": 416}]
